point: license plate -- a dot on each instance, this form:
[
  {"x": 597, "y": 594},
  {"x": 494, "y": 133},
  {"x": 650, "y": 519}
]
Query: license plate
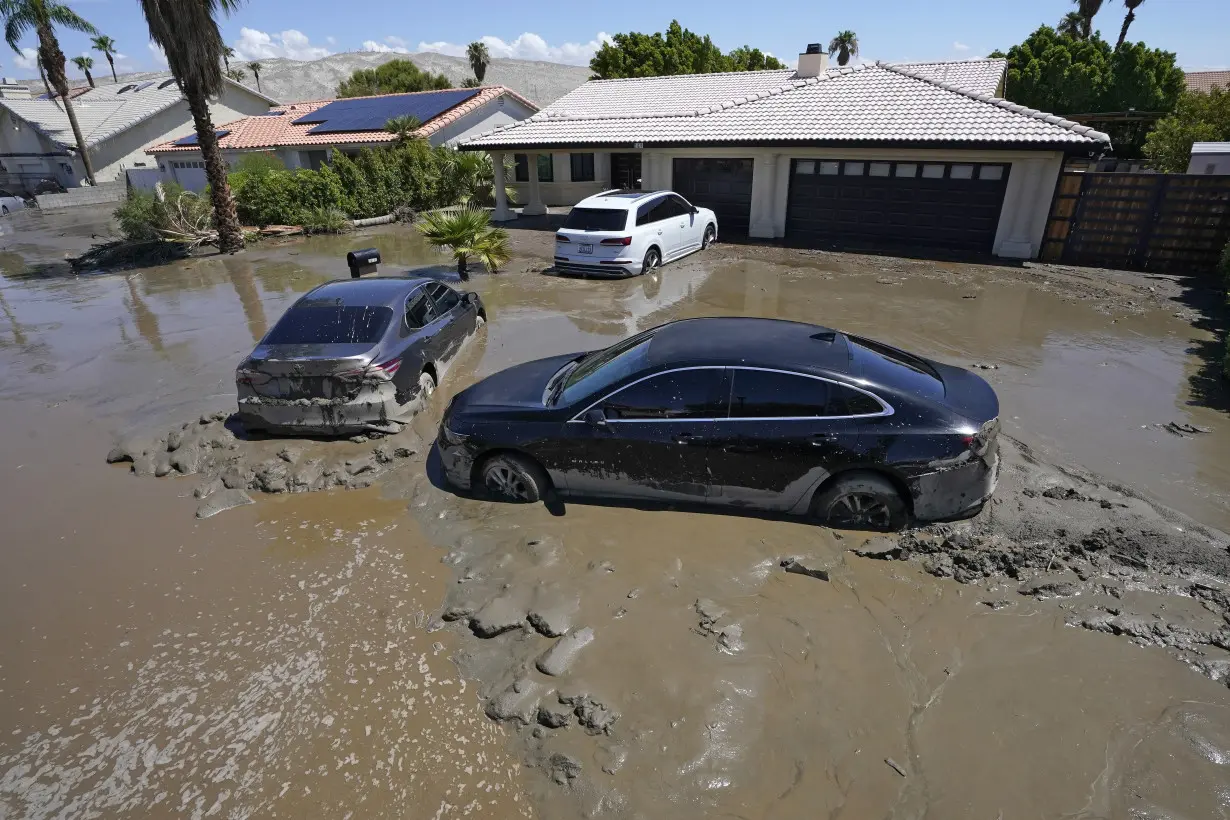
[{"x": 587, "y": 249}]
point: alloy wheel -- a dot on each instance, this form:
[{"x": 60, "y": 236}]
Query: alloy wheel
[
  {"x": 504, "y": 481},
  {"x": 709, "y": 236},
  {"x": 860, "y": 510},
  {"x": 651, "y": 262}
]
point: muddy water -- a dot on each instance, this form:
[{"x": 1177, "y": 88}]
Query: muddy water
[{"x": 277, "y": 660}]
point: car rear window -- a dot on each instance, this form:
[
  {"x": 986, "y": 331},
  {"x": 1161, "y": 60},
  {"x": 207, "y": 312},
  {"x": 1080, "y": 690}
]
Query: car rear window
[
  {"x": 883, "y": 364},
  {"x": 596, "y": 219},
  {"x": 334, "y": 324}
]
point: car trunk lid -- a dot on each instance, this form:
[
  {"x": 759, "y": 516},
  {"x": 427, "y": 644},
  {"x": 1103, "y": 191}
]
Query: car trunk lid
[
  {"x": 305, "y": 372},
  {"x": 591, "y": 235}
]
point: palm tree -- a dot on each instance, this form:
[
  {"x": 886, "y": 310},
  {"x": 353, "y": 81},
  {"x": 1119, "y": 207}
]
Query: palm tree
[
  {"x": 85, "y": 64},
  {"x": 1088, "y": 9},
  {"x": 403, "y": 127},
  {"x": 236, "y": 74},
  {"x": 187, "y": 32},
  {"x": 479, "y": 59},
  {"x": 106, "y": 45},
  {"x": 467, "y": 232},
  {"x": 845, "y": 46},
  {"x": 473, "y": 177},
  {"x": 20, "y": 16},
  {"x": 227, "y": 54},
  {"x": 255, "y": 68},
  {"x": 1072, "y": 25},
  {"x": 1132, "y": 5}
]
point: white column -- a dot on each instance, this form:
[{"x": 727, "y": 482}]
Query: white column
[
  {"x": 1022, "y": 201},
  {"x": 534, "y": 207},
  {"x": 502, "y": 212},
  {"x": 764, "y": 196}
]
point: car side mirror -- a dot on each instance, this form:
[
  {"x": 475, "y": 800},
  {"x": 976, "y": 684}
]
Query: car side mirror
[
  {"x": 695, "y": 210},
  {"x": 594, "y": 417}
]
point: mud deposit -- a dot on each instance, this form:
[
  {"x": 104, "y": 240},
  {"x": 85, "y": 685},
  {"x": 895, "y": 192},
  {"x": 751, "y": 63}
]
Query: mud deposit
[{"x": 397, "y": 651}]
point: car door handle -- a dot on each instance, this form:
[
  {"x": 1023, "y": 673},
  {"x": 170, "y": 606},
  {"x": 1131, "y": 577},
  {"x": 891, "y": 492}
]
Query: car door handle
[
  {"x": 688, "y": 438},
  {"x": 819, "y": 439}
]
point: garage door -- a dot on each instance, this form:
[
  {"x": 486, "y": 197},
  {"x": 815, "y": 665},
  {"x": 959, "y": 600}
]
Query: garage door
[
  {"x": 191, "y": 174},
  {"x": 937, "y": 205},
  {"x": 722, "y": 185}
]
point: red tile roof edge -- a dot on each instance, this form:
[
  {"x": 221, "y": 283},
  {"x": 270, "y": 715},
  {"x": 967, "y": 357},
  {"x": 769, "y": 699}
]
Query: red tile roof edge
[{"x": 239, "y": 128}]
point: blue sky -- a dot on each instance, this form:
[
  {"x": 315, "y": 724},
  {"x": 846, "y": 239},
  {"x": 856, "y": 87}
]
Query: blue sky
[{"x": 570, "y": 31}]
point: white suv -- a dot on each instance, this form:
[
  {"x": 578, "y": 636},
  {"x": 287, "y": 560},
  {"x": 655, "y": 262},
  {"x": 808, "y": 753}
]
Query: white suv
[{"x": 623, "y": 233}]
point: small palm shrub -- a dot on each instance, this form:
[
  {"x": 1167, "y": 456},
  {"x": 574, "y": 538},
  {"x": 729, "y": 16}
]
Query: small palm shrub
[{"x": 466, "y": 233}]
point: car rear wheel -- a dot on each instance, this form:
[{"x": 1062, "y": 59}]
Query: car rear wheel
[
  {"x": 710, "y": 235},
  {"x": 510, "y": 477},
  {"x": 652, "y": 260},
  {"x": 4, "y": 210},
  {"x": 861, "y": 501},
  {"x": 427, "y": 384}
]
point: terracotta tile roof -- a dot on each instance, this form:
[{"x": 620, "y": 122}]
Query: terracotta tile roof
[
  {"x": 866, "y": 103},
  {"x": 1206, "y": 81},
  {"x": 278, "y": 130}
]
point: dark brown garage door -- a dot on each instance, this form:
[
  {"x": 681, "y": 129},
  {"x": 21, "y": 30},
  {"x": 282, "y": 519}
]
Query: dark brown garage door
[
  {"x": 858, "y": 203},
  {"x": 722, "y": 185}
]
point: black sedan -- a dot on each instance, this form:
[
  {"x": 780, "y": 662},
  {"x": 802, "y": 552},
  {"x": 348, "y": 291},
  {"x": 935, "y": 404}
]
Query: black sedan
[
  {"x": 354, "y": 355},
  {"x": 754, "y": 413}
]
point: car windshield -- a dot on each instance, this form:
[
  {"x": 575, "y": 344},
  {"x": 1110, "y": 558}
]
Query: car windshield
[
  {"x": 603, "y": 368},
  {"x": 596, "y": 219},
  {"x": 334, "y": 324}
]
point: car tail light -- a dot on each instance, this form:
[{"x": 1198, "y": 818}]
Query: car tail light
[
  {"x": 559, "y": 237},
  {"x": 245, "y": 375},
  {"x": 622, "y": 240},
  {"x": 981, "y": 442},
  {"x": 386, "y": 370}
]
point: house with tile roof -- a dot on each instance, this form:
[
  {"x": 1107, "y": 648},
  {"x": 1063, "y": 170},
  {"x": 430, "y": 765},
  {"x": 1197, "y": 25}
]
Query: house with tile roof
[
  {"x": 1206, "y": 81},
  {"x": 922, "y": 155},
  {"x": 118, "y": 120},
  {"x": 303, "y": 136}
]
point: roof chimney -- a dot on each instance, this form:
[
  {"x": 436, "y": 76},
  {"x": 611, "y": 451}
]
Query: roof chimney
[{"x": 813, "y": 62}]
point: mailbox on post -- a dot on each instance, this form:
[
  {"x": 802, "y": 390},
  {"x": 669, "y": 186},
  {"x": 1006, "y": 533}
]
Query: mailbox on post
[{"x": 361, "y": 262}]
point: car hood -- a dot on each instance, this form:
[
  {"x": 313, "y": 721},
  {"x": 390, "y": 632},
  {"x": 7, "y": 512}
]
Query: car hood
[{"x": 518, "y": 387}]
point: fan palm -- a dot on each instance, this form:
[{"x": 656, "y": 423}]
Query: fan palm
[
  {"x": 467, "y": 232},
  {"x": 1088, "y": 9},
  {"x": 403, "y": 127},
  {"x": 43, "y": 16},
  {"x": 479, "y": 58},
  {"x": 236, "y": 74},
  {"x": 85, "y": 64},
  {"x": 1072, "y": 25},
  {"x": 227, "y": 54},
  {"x": 1132, "y": 5},
  {"x": 255, "y": 68},
  {"x": 188, "y": 33},
  {"x": 473, "y": 176},
  {"x": 106, "y": 45},
  {"x": 845, "y": 46}
]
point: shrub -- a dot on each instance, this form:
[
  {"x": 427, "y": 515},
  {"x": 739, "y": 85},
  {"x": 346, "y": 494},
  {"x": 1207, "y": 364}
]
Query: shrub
[
  {"x": 467, "y": 232},
  {"x": 146, "y": 217},
  {"x": 326, "y": 220},
  {"x": 141, "y": 217},
  {"x": 273, "y": 197}
]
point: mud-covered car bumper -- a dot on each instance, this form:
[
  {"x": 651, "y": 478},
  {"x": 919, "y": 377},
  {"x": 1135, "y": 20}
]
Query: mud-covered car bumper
[
  {"x": 956, "y": 491},
  {"x": 613, "y": 269},
  {"x": 373, "y": 407},
  {"x": 457, "y": 459}
]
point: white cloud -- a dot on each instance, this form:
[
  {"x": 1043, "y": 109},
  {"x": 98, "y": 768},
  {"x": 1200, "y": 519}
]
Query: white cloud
[
  {"x": 331, "y": 40},
  {"x": 528, "y": 46},
  {"x": 157, "y": 54},
  {"x": 26, "y": 58},
  {"x": 293, "y": 44},
  {"x": 391, "y": 45},
  {"x": 960, "y": 47}
]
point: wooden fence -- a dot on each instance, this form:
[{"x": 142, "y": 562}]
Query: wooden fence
[{"x": 1163, "y": 223}]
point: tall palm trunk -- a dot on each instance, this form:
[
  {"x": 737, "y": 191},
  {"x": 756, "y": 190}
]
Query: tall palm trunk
[
  {"x": 111, "y": 62},
  {"x": 53, "y": 62},
  {"x": 230, "y": 235},
  {"x": 1127, "y": 23},
  {"x": 88, "y": 78}
]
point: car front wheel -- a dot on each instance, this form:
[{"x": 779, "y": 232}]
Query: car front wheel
[
  {"x": 710, "y": 235},
  {"x": 861, "y": 501},
  {"x": 652, "y": 260},
  {"x": 427, "y": 384},
  {"x": 513, "y": 478}
]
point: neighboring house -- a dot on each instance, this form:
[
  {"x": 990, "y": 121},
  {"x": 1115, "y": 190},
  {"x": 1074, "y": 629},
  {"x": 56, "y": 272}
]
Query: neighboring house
[
  {"x": 1210, "y": 158},
  {"x": 920, "y": 154},
  {"x": 1206, "y": 81},
  {"x": 304, "y": 135},
  {"x": 118, "y": 121}
]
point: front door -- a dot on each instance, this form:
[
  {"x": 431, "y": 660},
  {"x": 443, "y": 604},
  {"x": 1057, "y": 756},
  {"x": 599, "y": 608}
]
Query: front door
[
  {"x": 656, "y": 438},
  {"x": 626, "y": 171},
  {"x": 786, "y": 433}
]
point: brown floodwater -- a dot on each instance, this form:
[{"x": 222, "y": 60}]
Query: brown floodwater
[{"x": 276, "y": 660}]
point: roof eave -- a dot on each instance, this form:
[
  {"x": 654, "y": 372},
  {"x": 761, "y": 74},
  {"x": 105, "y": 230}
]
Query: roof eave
[{"x": 1067, "y": 146}]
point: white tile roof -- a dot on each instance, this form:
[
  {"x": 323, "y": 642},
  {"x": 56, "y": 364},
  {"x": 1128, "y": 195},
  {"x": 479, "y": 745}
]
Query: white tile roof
[
  {"x": 102, "y": 112},
  {"x": 1211, "y": 147},
  {"x": 981, "y": 76},
  {"x": 867, "y": 103}
]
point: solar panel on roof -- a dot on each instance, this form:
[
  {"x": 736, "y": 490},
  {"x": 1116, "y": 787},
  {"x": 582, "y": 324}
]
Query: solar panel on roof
[
  {"x": 371, "y": 113},
  {"x": 191, "y": 138}
]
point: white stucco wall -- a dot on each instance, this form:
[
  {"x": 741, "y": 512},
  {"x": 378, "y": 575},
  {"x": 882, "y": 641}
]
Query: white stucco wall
[
  {"x": 500, "y": 111},
  {"x": 17, "y": 137},
  {"x": 1201, "y": 163},
  {"x": 562, "y": 190}
]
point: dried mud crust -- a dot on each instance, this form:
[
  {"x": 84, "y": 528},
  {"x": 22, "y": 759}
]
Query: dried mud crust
[
  {"x": 1113, "y": 557},
  {"x": 231, "y": 466}
]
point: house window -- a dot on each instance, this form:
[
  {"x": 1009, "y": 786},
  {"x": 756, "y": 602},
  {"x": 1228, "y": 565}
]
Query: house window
[
  {"x": 991, "y": 172},
  {"x": 907, "y": 169},
  {"x": 312, "y": 159},
  {"x": 522, "y": 173},
  {"x": 582, "y": 167},
  {"x": 546, "y": 168},
  {"x": 805, "y": 167},
  {"x": 854, "y": 169},
  {"x": 933, "y": 172},
  {"x": 880, "y": 169},
  {"x": 961, "y": 172},
  {"x": 829, "y": 169}
]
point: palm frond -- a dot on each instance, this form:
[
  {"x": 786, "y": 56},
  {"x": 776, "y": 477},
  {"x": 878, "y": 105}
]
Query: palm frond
[
  {"x": 18, "y": 19},
  {"x": 61, "y": 15},
  {"x": 187, "y": 31}
]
